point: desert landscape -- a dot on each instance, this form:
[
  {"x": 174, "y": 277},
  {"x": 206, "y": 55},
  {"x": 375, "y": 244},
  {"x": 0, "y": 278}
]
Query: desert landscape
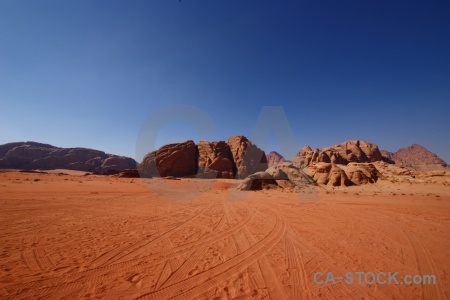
[
  {"x": 218, "y": 150},
  {"x": 69, "y": 234}
]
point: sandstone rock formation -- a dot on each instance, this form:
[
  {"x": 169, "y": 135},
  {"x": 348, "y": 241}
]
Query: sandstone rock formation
[
  {"x": 361, "y": 173},
  {"x": 116, "y": 163},
  {"x": 214, "y": 160},
  {"x": 342, "y": 164},
  {"x": 257, "y": 181},
  {"x": 274, "y": 158},
  {"x": 329, "y": 174},
  {"x": 32, "y": 155},
  {"x": 343, "y": 175},
  {"x": 177, "y": 159},
  {"x": 247, "y": 158},
  {"x": 284, "y": 175},
  {"x": 415, "y": 157},
  {"x": 350, "y": 151},
  {"x": 147, "y": 168},
  {"x": 235, "y": 159},
  {"x": 394, "y": 173}
]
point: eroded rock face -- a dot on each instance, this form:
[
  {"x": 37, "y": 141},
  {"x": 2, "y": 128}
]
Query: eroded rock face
[
  {"x": 362, "y": 162},
  {"x": 147, "y": 168},
  {"x": 116, "y": 163},
  {"x": 257, "y": 181},
  {"x": 214, "y": 160},
  {"x": 294, "y": 174},
  {"x": 344, "y": 175},
  {"x": 417, "y": 158},
  {"x": 247, "y": 158},
  {"x": 32, "y": 155},
  {"x": 274, "y": 158},
  {"x": 284, "y": 174},
  {"x": 177, "y": 159},
  {"x": 329, "y": 174},
  {"x": 236, "y": 158},
  {"x": 350, "y": 151}
]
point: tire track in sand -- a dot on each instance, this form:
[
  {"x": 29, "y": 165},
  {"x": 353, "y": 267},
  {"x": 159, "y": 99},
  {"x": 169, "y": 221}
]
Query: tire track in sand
[
  {"x": 276, "y": 290},
  {"x": 296, "y": 269},
  {"x": 425, "y": 266},
  {"x": 195, "y": 256},
  {"x": 122, "y": 252},
  {"x": 184, "y": 270},
  {"x": 198, "y": 284},
  {"x": 55, "y": 283},
  {"x": 36, "y": 259},
  {"x": 244, "y": 240}
]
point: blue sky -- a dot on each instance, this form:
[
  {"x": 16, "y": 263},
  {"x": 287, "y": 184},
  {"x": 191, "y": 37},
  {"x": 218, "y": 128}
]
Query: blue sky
[{"x": 89, "y": 73}]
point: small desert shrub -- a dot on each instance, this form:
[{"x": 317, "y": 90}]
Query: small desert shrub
[{"x": 37, "y": 179}]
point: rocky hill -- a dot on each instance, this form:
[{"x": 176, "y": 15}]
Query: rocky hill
[
  {"x": 343, "y": 164},
  {"x": 32, "y": 155},
  {"x": 415, "y": 157},
  {"x": 360, "y": 162},
  {"x": 274, "y": 158},
  {"x": 357, "y": 151},
  {"x": 236, "y": 158}
]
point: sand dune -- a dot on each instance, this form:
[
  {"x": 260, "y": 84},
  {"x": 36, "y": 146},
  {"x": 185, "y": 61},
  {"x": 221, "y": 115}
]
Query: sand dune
[{"x": 72, "y": 237}]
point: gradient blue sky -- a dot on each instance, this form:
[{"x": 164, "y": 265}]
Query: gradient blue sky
[{"x": 88, "y": 73}]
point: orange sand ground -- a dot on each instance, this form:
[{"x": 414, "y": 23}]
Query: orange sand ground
[{"x": 67, "y": 236}]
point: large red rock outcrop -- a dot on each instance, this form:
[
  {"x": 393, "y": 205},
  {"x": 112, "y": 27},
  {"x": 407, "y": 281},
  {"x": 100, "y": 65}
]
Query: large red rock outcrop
[
  {"x": 236, "y": 158},
  {"x": 32, "y": 155},
  {"x": 147, "y": 168},
  {"x": 177, "y": 159},
  {"x": 247, "y": 158},
  {"x": 214, "y": 160}
]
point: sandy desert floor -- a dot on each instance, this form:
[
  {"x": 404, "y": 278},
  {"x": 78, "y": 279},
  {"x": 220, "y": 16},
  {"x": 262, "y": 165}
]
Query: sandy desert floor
[{"x": 74, "y": 237}]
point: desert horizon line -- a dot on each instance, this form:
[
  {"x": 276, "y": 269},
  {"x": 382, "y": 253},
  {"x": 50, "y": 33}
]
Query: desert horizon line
[{"x": 267, "y": 151}]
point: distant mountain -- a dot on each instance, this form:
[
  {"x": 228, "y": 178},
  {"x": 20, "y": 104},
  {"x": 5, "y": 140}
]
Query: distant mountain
[
  {"x": 415, "y": 157},
  {"x": 32, "y": 155},
  {"x": 274, "y": 158}
]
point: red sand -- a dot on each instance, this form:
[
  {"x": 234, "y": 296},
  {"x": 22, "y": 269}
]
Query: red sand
[{"x": 65, "y": 236}]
